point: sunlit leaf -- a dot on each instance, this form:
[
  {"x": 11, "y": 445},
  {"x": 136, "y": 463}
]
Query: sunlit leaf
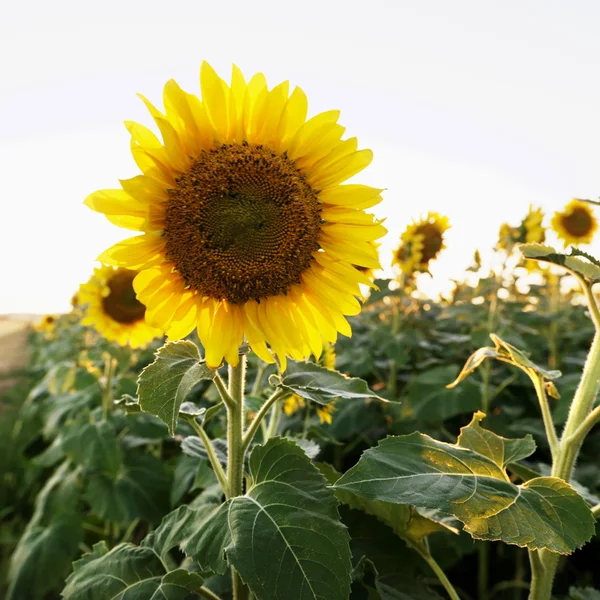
[
  {"x": 165, "y": 384},
  {"x": 469, "y": 481}
]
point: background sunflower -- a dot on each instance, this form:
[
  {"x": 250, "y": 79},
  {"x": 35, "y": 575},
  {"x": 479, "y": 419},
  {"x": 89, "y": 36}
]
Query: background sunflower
[
  {"x": 112, "y": 309},
  {"x": 421, "y": 243},
  {"x": 576, "y": 223}
]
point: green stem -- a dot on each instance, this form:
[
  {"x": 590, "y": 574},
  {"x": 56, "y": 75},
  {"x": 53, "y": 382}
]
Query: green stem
[
  {"x": 107, "y": 395},
  {"x": 210, "y": 451},
  {"x": 258, "y": 419},
  {"x": 260, "y": 371},
  {"x": 544, "y": 563},
  {"x": 485, "y": 387},
  {"x": 483, "y": 556},
  {"x": 206, "y": 593},
  {"x": 426, "y": 555},
  {"x": 546, "y": 414},
  {"x": 129, "y": 531},
  {"x": 235, "y": 451},
  {"x": 223, "y": 392},
  {"x": 596, "y": 511},
  {"x": 274, "y": 421}
]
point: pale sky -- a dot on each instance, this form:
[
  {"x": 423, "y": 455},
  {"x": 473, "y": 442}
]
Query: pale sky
[{"x": 473, "y": 109}]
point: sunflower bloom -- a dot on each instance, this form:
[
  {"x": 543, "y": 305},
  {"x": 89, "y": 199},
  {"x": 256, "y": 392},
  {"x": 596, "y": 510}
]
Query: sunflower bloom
[
  {"x": 47, "y": 325},
  {"x": 576, "y": 224},
  {"x": 247, "y": 230},
  {"x": 530, "y": 231},
  {"x": 113, "y": 310},
  {"x": 421, "y": 243}
]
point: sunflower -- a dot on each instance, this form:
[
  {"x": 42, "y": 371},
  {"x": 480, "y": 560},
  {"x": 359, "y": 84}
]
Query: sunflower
[
  {"x": 421, "y": 243},
  {"x": 295, "y": 403},
  {"x": 113, "y": 310},
  {"x": 247, "y": 230},
  {"x": 529, "y": 231},
  {"x": 576, "y": 224},
  {"x": 46, "y": 325}
]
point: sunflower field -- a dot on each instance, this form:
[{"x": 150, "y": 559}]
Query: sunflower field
[{"x": 243, "y": 405}]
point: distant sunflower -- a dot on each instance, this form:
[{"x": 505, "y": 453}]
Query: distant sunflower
[
  {"x": 529, "y": 231},
  {"x": 421, "y": 243},
  {"x": 295, "y": 403},
  {"x": 576, "y": 224},
  {"x": 47, "y": 325},
  {"x": 113, "y": 310},
  {"x": 247, "y": 230}
]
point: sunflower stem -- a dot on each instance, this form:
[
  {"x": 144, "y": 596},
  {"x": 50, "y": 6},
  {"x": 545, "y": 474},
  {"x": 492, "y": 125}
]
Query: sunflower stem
[
  {"x": 544, "y": 563},
  {"x": 107, "y": 396},
  {"x": 258, "y": 419},
  {"x": 235, "y": 447},
  {"x": 274, "y": 421},
  {"x": 210, "y": 451}
]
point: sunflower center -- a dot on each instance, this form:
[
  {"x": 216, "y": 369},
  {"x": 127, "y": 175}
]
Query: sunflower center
[
  {"x": 578, "y": 223},
  {"x": 121, "y": 304},
  {"x": 432, "y": 241},
  {"x": 242, "y": 223}
]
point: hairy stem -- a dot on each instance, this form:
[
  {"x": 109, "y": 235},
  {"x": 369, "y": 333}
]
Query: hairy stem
[
  {"x": 426, "y": 555},
  {"x": 206, "y": 593},
  {"x": 107, "y": 391},
  {"x": 274, "y": 421},
  {"x": 258, "y": 419},
  {"x": 546, "y": 414},
  {"x": 235, "y": 454},
  {"x": 212, "y": 457}
]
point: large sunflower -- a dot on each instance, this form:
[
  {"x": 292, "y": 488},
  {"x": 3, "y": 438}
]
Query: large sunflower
[
  {"x": 247, "y": 230},
  {"x": 576, "y": 224},
  {"x": 421, "y": 242},
  {"x": 113, "y": 310}
]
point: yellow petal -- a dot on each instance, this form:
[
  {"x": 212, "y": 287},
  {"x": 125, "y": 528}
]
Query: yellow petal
[
  {"x": 138, "y": 252},
  {"x": 351, "y": 195},
  {"x": 215, "y": 97},
  {"x": 342, "y": 169}
]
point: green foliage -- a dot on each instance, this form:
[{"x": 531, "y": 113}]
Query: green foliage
[
  {"x": 469, "y": 481},
  {"x": 167, "y": 382},
  {"x": 127, "y": 572},
  {"x": 287, "y": 522}
]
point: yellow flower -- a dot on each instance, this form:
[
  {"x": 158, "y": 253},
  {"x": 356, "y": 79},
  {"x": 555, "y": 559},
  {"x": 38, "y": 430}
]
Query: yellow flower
[
  {"x": 47, "y": 325},
  {"x": 247, "y": 230},
  {"x": 295, "y": 403},
  {"x": 529, "y": 231},
  {"x": 576, "y": 224},
  {"x": 113, "y": 310},
  {"x": 421, "y": 243},
  {"x": 368, "y": 271}
]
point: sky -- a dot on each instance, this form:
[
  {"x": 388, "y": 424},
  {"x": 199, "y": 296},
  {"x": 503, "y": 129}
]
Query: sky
[{"x": 472, "y": 109}]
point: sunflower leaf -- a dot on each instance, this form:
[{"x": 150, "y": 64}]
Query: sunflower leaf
[
  {"x": 590, "y": 271},
  {"x": 124, "y": 571},
  {"x": 469, "y": 481},
  {"x": 507, "y": 353},
  {"x": 165, "y": 384},
  {"x": 286, "y": 523},
  {"x": 322, "y": 385}
]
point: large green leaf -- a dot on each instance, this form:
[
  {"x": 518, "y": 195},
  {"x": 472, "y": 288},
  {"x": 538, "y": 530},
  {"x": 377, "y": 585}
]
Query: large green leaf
[
  {"x": 404, "y": 520},
  {"x": 49, "y": 543},
  {"x": 165, "y": 384},
  {"x": 589, "y": 269},
  {"x": 587, "y": 593},
  {"x": 94, "y": 447},
  {"x": 469, "y": 481},
  {"x": 284, "y": 536},
  {"x": 140, "y": 490},
  {"x": 127, "y": 573},
  {"x": 321, "y": 385},
  {"x": 174, "y": 529}
]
